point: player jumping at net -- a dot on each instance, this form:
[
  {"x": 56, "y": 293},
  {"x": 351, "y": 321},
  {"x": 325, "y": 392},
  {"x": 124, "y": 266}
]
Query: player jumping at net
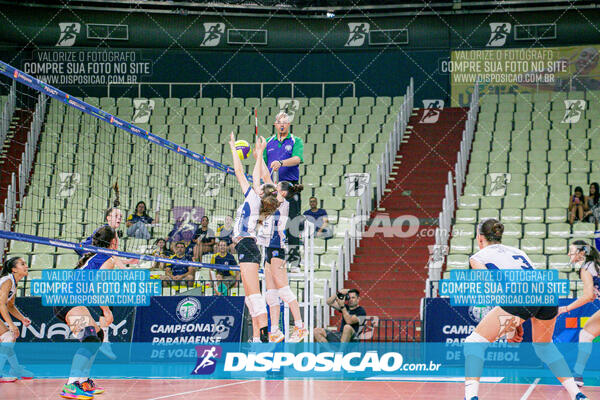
[
  {"x": 13, "y": 270},
  {"x": 588, "y": 260},
  {"x": 82, "y": 324},
  {"x": 259, "y": 203},
  {"x": 272, "y": 238},
  {"x": 506, "y": 321}
]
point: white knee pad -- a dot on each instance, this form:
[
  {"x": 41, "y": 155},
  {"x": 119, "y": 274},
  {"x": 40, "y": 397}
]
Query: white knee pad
[
  {"x": 249, "y": 305},
  {"x": 547, "y": 352},
  {"x": 476, "y": 345},
  {"x": 585, "y": 337},
  {"x": 272, "y": 298},
  {"x": 259, "y": 306},
  {"x": 287, "y": 295}
]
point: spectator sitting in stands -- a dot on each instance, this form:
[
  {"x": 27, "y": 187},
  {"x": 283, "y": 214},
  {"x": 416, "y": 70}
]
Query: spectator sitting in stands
[
  {"x": 225, "y": 233},
  {"x": 136, "y": 222},
  {"x": 225, "y": 279},
  {"x": 593, "y": 204},
  {"x": 577, "y": 205},
  {"x": 178, "y": 272},
  {"x": 350, "y": 317},
  {"x": 318, "y": 216},
  {"x": 204, "y": 238},
  {"x": 160, "y": 250}
]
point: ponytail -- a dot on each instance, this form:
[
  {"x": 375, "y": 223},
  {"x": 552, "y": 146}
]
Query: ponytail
[{"x": 8, "y": 266}]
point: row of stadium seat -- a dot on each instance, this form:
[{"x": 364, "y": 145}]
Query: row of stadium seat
[
  {"x": 550, "y": 246},
  {"x": 517, "y": 230},
  {"x": 541, "y": 96},
  {"x": 247, "y": 102}
]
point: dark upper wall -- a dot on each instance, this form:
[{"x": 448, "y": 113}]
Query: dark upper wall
[{"x": 298, "y": 49}]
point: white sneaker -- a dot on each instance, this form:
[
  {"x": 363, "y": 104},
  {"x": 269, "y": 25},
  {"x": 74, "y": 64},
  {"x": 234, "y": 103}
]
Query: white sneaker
[
  {"x": 7, "y": 379},
  {"x": 299, "y": 335},
  {"x": 276, "y": 337},
  {"x": 107, "y": 350}
]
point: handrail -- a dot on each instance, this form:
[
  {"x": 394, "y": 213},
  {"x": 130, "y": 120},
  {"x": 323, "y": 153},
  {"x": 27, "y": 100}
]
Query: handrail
[{"x": 201, "y": 86}]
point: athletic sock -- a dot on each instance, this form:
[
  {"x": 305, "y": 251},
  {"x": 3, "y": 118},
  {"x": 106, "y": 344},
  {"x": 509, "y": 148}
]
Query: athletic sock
[
  {"x": 571, "y": 387},
  {"x": 72, "y": 380},
  {"x": 471, "y": 389},
  {"x": 299, "y": 324},
  {"x": 105, "y": 339},
  {"x": 585, "y": 350}
]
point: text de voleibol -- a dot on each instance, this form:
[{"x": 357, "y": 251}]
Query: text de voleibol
[
  {"x": 510, "y": 287},
  {"x": 95, "y": 287}
]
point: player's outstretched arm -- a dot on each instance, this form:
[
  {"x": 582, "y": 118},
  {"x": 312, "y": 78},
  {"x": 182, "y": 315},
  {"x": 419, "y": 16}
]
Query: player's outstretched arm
[
  {"x": 257, "y": 171},
  {"x": 237, "y": 165}
]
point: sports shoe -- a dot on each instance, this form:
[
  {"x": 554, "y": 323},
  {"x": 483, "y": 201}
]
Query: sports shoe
[
  {"x": 7, "y": 379},
  {"x": 276, "y": 337},
  {"x": 298, "y": 335},
  {"x": 90, "y": 386},
  {"x": 21, "y": 373},
  {"x": 578, "y": 380},
  {"x": 75, "y": 391},
  {"x": 581, "y": 396},
  {"x": 474, "y": 398},
  {"x": 107, "y": 350}
]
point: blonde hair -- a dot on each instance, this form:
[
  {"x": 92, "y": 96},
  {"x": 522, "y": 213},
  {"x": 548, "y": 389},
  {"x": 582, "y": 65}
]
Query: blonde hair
[{"x": 268, "y": 203}]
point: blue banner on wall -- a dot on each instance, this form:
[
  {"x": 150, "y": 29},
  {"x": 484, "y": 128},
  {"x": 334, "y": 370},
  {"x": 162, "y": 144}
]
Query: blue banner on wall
[
  {"x": 45, "y": 327},
  {"x": 177, "y": 320}
]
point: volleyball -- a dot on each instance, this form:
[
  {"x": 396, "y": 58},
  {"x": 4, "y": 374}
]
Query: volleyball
[{"x": 243, "y": 149}]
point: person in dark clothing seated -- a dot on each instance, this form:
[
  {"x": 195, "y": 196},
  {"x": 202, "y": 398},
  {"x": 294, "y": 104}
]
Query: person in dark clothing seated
[
  {"x": 351, "y": 314},
  {"x": 318, "y": 216}
]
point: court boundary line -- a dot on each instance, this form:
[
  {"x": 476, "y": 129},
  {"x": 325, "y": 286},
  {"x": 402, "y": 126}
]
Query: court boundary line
[
  {"x": 202, "y": 390},
  {"x": 530, "y": 389}
]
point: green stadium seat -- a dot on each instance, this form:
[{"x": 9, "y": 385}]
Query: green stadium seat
[
  {"x": 42, "y": 261},
  {"x": 487, "y": 213},
  {"x": 491, "y": 202},
  {"x": 532, "y": 245},
  {"x": 583, "y": 229},
  {"x": 535, "y": 230},
  {"x": 468, "y": 202},
  {"x": 457, "y": 261},
  {"x": 513, "y": 231},
  {"x": 460, "y": 245},
  {"x": 510, "y": 215},
  {"x": 560, "y": 262},
  {"x": 464, "y": 230},
  {"x": 466, "y": 216},
  {"x": 559, "y": 230},
  {"x": 539, "y": 261},
  {"x": 555, "y": 246},
  {"x": 533, "y": 215}
]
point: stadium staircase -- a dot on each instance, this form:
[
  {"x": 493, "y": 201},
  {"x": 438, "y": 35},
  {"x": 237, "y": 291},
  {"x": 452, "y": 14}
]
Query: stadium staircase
[
  {"x": 13, "y": 149},
  {"x": 390, "y": 271}
]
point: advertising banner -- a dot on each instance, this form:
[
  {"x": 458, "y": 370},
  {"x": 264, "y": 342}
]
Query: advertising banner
[{"x": 547, "y": 69}]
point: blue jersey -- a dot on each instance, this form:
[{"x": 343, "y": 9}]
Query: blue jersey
[
  {"x": 178, "y": 269},
  {"x": 591, "y": 268},
  {"x": 96, "y": 261},
  {"x": 88, "y": 242}
]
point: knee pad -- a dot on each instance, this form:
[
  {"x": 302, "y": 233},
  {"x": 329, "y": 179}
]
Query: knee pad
[
  {"x": 249, "y": 305},
  {"x": 272, "y": 298},
  {"x": 8, "y": 337},
  {"x": 476, "y": 345},
  {"x": 286, "y": 294},
  {"x": 585, "y": 337},
  {"x": 259, "y": 306},
  {"x": 547, "y": 352}
]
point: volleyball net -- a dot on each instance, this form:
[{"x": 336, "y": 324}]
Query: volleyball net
[{"x": 82, "y": 157}]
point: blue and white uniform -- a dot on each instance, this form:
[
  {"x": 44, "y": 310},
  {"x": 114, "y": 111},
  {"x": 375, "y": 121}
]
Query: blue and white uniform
[
  {"x": 591, "y": 268},
  {"x": 246, "y": 218},
  {"x": 245, "y": 229},
  {"x": 499, "y": 256},
  {"x": 272, "y": 234},
  {"x": 13, "y": 286}
]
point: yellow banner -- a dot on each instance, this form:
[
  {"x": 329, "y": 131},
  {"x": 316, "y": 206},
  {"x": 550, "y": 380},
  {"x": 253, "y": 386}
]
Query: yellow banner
[{"x": 523, "y": 71}]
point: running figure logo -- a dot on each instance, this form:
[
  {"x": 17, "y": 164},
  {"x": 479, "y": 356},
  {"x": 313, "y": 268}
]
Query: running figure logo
[
  {"x": 498, "y": 183},
  {"x": 213, "y": 31},
  {"x": 68, "y": 183},
  {"x": 213, "y": 184},
  {"x": 142, "y": 111},
  {"x": 68, "y": 33},
  {"x": 508, "y": 326},
  {"x": 289, "y": 106},
  {"x": 431, "y": 111},
  {"x": 500, "y": 31},
  {"x": 573, "y": 111},
  {"x": 207, "y": 359},
  {"x": 358, "y": 34},
  {"x": 356, "y": 184}
]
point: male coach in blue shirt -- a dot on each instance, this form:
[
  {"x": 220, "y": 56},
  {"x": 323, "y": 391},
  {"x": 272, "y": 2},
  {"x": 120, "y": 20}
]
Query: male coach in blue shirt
[{"x": 284, "y": 154}]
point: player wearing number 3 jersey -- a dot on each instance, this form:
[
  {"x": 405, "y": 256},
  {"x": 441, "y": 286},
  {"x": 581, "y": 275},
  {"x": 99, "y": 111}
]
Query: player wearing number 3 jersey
[{"x": 506, "y": 321}]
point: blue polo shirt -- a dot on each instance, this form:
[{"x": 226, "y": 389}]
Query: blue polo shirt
[
  {"x": 281, "y": 150},
  {"x": 316, "y": 217}
]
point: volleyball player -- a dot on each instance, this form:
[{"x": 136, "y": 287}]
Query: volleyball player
[
  {"x": 272, "y": 237},
  {"x": 503, "y": 321},
  {"x": 82, "y": 324},
  {"x": 588, "y": 260},
  {"x": 13, "y": 270},
  {"x": 260, "y": 202}
]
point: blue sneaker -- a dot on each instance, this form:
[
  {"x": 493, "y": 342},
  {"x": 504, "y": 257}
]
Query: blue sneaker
[
  {"x": 472, "y": 398},
  {"x": 74, "y": 391},
  {"x": 581, "y": 396}
]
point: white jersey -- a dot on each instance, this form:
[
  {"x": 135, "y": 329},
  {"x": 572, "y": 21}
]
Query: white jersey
[
  {"x": 591, "y": 268},
  {"x": 247, "y": 216},
  {"x": 499, "y": 256},
  {"x": 272, "y": 232},
  {"x": 13, "y": 286}
]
